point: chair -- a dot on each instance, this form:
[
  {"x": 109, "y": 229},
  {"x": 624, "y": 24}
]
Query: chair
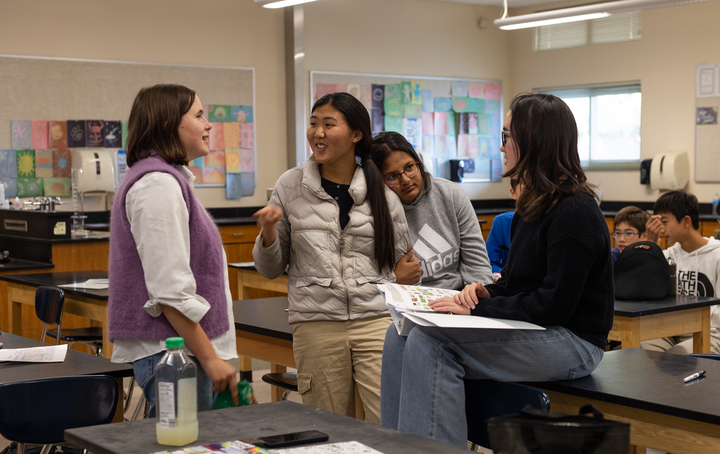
[
  {"x": 39, "y": 411},
  {"x": 286, "y": 381},
  {"x": 49, "y": 309},
  {"x": 485, "y": 399}
]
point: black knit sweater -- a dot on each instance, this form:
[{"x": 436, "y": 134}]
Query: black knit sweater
[{"x": 559, "y": 272}]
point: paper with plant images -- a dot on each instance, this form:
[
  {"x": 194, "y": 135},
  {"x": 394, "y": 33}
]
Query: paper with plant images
[{"x": 413, "y": 297}]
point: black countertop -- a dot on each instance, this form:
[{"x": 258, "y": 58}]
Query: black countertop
[{"x": 20, "y": 264}]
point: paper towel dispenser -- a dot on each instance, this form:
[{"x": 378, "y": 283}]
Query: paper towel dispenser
[
  {"x": 669, "y": 171},
  {"x": 98, "y": 169}
]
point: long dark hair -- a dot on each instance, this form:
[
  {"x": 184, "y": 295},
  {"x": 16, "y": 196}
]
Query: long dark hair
[
  {"x": 154, "y": 120},
  {"x": 544, "y": 133},
  {"x": 386, "y": 143},
  {"x": 357, "y": 118}
]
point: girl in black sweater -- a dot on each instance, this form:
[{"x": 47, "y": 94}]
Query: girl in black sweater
[{"x": 558, "y": 275}]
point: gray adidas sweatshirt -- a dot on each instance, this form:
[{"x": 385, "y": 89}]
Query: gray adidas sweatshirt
[{"x": 447, "y": 238}]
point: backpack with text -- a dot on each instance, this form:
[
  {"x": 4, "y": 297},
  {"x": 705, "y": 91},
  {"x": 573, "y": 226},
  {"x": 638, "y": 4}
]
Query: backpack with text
[{"x": 642, "y": 273}]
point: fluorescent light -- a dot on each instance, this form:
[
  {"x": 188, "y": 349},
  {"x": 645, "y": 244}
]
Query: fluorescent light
[
  {"x": 559, "y": 20},
  {"x": 280, "y": 3},
  {"x": 586, "y": 12}
]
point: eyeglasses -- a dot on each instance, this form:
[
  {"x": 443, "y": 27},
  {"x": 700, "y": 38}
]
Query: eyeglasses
[
  {"x": 504, "y": 136},
  {"x": 629, "y": 235},
  {"x": 410, "y": 171}
]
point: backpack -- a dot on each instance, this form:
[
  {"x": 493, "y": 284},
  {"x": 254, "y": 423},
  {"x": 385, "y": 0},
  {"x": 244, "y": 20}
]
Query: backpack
[{"x": 642, "y": 273}]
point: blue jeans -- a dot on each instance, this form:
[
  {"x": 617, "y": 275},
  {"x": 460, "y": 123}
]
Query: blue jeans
[
  {"x": 144, "y": 370},
  {"x": 422, "y": 389}
]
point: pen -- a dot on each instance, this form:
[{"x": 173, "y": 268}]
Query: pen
[{"x": 693, "y": 376}]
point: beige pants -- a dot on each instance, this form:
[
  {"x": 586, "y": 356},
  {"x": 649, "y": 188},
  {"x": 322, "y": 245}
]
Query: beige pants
[{"x": 333, "y": 357}]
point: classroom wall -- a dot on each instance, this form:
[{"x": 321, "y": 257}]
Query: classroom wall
[
  {"x": 674, "y": 41},
  {"x": 410, "y": 37},
  {"x": 211, "y": 32}
]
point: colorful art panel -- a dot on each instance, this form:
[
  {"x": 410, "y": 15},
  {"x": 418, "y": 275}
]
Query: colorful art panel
[
  {"x": 473, "y": 123},
  {"x": 440, "y": 120},
  {"x": 393, "y": 91},
  {"x": 341, "y": 88},
  {"x": 21, "y": 134},
  {"x": 483, "y": 169},
  {"x": 247, "y": 135},
  {"x": 416, "y": 95},
  {"x": 394, "y": 124},
  {"x": 428, "y": 124},
  {"x": 215, "y": 158},
  {"x": 468, "y": 105},
  {"x": 428, "y": 143},
  {"x": 473, "y": 146},
  {"x": 39, "y": 134},
  {"x": 459, "y": 89},
  {"x": 463, "y": 126},
  {"x": 124, "y": 134},
  {"x": 378, "y": 96},
  {"x": 354, "y": 89},
  {"x": 476, "y": 90},
  {"x": 484, "y": 144},
  {"x": 366, "y": 96},
  {"x": 57, "y": 187},
  {"x": 10, "y": 187},
  {"x": 248, "y": 160},
  {"x": 493, "y": 91},
  {"x": 443, "y": 104},
  {"x": 214, "y": 174},
  {"x": 406, "y": 92},
  {"x": 231, "y": 133},
  {"x": 197, "y": 172},
  {"x": 440, "y": 145},
  {"x": 198, "y": 162},
  {"x": 324, "y": 89},
  {"x": 451, "y": 145},
  {"x": 219, "y": 113},
  {"x": 428, "y": 101},
  {"x": 8, "y": 164},
  {"x": 483, "y": 127},
  {"x": 462, "y": 146},
  {"x": 94, "y": 133},
  {"x": 233, "y": 160},
  {"x": 233, "y": 188},
  {"x": 492, "y": 106},
  {"x": 44, "y": 163},
  {"x": 412, "y": 130},
  {"x": 62, "y": 161},
  {"x": 496, "y": 170},
  {"x": 25, "y": 163},
  {"x": 76, "y": 134},
  {"x": 29, "y": 187},
  {"x": 112, "y": 134},
  {"x": 378, "y": 120},
  {"x": 57, "y": 134},
  {"x": 217, "y": 136},
  {"x": 393, "y": 108},
  {"x": 450, "y": 124},
  {"x": 242, "y": 114},
  {"x": 247, "y": 184},
  {"x": 412, "y": 111}
]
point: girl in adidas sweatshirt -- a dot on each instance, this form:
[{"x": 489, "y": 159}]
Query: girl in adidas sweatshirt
[{"x": 446, "y": 235}]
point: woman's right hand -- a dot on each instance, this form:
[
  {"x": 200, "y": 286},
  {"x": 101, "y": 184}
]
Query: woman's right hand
[
  {"x": 407, "y": 269},
  {"x": 470, "y": 295},
  {"x": 267, "y": 218},
  {"x": 223, "y": 375}
]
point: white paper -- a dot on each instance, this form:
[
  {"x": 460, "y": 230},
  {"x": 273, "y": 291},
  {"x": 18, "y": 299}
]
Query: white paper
[
  {"x": 242, "y": 264},
  {"x": 707, "y": 83},
  {"x": 469, "y": 321},
  {"x": 50, "y": 354},
  {"x": 90, "y": 284},
  {"x": 413, "y": 297},
  {"x": 346, "y": 447}
]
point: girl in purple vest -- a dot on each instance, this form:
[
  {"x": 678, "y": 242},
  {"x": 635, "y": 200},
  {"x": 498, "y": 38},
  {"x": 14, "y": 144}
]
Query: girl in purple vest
[
  {"x": 339, "y": 231},
  {"x": 168, "y": 271}
]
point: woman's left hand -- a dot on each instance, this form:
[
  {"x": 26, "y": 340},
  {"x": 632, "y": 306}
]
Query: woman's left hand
[{"x": 448, "y": 304}]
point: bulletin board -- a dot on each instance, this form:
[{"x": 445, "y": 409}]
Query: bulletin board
[
  {"x": 443, "y": 118},
  {"x": 707, "y": 129},
  {"x": 35, "y": 88}
]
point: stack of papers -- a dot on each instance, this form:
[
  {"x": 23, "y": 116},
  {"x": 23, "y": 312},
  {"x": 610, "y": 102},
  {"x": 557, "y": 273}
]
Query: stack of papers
[
  {"x": 50, "y": 354},
  {"x": 90, "y": 284}
]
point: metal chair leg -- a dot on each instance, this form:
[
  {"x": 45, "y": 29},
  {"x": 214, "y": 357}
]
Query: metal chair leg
[{"x": 142, "y": 403}]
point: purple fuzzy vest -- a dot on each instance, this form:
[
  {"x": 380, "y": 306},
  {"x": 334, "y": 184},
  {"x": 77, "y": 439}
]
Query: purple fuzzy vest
[{"x": 128, "y": 293}]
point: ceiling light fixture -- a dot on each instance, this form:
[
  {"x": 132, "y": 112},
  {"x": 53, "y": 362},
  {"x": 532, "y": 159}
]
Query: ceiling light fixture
[
  {"x": 579, "y": 13},
  {"x": 280, "y": 3}
]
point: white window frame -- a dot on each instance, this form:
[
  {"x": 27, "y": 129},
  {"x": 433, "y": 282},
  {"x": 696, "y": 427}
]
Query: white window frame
[{"x": 592, "y": 91}]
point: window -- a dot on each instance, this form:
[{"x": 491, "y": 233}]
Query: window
[
  {"x": 608, "y": 120},
  {"x": 612, "y": 29}
]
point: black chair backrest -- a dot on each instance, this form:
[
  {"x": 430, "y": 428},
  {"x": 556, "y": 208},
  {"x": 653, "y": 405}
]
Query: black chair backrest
[
  {"x": 485, "y": 399},
  {"x": 49, "y": 304},
  {"x": 39, "y": 411}
]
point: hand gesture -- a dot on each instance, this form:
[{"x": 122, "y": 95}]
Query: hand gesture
[
  {"x": 448, "y": 304},
  {"x": 223, "y": 375},
  {"x": 654, "y": 228},
  {"x": 267, "y": 218},
  {"x": 407, "y": 269},
  {"x": 470, "y": 295}
]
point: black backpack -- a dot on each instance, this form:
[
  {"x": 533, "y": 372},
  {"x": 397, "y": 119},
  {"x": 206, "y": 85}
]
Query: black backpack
[{"x": 642, "y": 273}]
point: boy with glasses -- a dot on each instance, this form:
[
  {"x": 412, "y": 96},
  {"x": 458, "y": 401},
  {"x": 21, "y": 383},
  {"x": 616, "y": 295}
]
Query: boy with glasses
[{"x": 629, "y": 228}]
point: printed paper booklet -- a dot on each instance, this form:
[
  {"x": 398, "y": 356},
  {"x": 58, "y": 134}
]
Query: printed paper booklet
[{"x": 408, "y": 306}]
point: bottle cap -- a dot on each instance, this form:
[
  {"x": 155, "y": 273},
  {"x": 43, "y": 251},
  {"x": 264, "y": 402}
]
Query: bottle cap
[{"x": 174, "y": 342}]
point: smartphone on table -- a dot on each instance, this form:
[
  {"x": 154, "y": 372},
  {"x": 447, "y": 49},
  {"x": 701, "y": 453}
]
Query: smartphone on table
[{"x": 292, "y": 439}]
